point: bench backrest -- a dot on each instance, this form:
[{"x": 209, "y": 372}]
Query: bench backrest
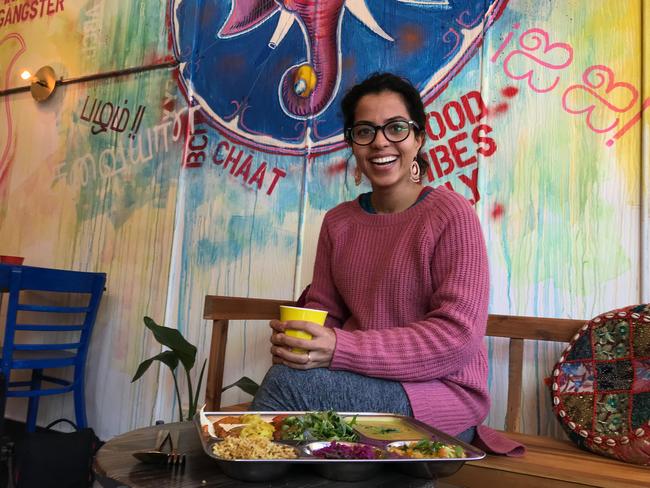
[{"x": 516, "y": 328}]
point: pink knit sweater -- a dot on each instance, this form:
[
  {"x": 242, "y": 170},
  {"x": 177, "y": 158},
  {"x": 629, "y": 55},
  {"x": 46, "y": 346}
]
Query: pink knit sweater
[{"x": 407, "y": 295}]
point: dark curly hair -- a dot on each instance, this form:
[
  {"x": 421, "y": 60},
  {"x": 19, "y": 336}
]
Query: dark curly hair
[{"x": 386, "y": 82}]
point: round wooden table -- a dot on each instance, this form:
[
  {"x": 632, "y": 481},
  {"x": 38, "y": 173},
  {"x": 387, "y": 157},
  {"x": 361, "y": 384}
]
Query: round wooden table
[{"x": 116, "y": 466}]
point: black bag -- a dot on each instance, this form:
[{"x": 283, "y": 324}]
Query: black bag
[{"x": 55, "y": 459}]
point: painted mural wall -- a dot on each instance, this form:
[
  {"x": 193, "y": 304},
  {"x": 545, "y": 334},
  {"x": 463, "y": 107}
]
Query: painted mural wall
[{"x": 205, "y": 152}]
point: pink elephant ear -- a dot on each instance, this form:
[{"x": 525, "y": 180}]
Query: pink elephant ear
[{"x": 246, "y": 14}]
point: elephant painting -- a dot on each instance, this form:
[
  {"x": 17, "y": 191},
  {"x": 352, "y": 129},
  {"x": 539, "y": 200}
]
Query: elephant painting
[{"x": 270, "y": 71}]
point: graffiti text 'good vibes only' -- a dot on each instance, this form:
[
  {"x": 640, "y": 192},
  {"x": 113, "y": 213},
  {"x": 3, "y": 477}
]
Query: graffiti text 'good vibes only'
[{"x": 457, "y": 146}]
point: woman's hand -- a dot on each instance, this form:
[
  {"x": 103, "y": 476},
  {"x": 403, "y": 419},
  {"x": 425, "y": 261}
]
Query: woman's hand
[{"x": 319, "y": 350}]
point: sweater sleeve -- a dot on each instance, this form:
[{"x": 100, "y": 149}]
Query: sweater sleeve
[
  {"x": 451, "y": 333},
  {"x": 322, "y": 294}
]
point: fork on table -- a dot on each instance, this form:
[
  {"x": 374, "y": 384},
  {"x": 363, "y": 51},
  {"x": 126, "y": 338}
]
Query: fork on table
[{"x": 173, "y": 458}]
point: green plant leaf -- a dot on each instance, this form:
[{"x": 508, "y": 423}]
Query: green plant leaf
[
  {"x": 244, "y": 383},
  {"x": 192, "y": 411},
  {"x": 174, "y": 340},
  {"x": 167, "y": 357}
]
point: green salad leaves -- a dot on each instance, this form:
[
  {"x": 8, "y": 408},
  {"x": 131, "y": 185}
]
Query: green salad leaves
[{"x": 318, "y": 426}]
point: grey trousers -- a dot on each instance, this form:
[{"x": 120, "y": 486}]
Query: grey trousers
[{"x": 289, "y": 389}]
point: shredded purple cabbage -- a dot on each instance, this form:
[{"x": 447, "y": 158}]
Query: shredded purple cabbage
[{"x": 343, "y": 451}]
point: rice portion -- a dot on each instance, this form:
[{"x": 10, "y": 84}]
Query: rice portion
[{"x": 252, "y": 448}]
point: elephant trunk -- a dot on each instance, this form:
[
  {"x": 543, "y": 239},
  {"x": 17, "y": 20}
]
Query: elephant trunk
[{"x": 308, "y": 89}]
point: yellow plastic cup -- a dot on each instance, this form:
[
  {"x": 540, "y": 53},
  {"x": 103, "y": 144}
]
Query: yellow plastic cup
[{"x": 304, "y": 314}]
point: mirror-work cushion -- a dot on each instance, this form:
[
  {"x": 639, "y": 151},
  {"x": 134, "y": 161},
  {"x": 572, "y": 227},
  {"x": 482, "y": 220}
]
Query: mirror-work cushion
[{"x": 601, "y": 385}]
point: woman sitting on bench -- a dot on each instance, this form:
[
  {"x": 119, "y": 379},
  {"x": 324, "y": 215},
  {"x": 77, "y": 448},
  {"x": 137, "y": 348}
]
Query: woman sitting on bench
[{"x": 402, "y": 272}]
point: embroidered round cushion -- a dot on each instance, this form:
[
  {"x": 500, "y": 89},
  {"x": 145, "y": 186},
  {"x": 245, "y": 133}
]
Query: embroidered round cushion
[{"x": 601, "y": 385}]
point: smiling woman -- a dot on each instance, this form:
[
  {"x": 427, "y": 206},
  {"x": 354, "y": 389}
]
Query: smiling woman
[
  {"x": 386, "y": 150},
  {"x": 402, "y": 273}
]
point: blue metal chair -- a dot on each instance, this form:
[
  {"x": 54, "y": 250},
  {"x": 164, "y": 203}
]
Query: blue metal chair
[{"x": 38, "y": 313}]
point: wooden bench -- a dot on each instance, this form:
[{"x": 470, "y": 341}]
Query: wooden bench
[{"x": 548, "y": 463}]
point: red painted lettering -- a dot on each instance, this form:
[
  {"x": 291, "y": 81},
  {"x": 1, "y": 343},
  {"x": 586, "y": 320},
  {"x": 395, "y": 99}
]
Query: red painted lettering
[
  {"x": 475, "y": 111},
  {"x": 245, "y": 168},
  {"x": 448, "y": 112},
  {"x": 222, "y": 145},
  {"x": 442, "y": 129},
  {"x": 200, "y": 147},
  {"x": 194, "y": 160},
  {"x": 233, "y": 161},
  {"x": 472, "y": 184},
  {"x": 440, "y": 154},
  {"x": 278, "y": 173},
  {"x": 459, "y": 151},
  {"x": 490, "y": 146},
  {"x": 258, "y": 176}
]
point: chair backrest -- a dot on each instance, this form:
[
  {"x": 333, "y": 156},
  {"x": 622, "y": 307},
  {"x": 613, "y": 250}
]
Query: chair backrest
[
  {"x": 49, "y": 312},
  {"x": 220, "y": 310}
]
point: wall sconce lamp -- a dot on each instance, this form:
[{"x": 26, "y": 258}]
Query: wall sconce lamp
[{"x": 42, "y": 84}]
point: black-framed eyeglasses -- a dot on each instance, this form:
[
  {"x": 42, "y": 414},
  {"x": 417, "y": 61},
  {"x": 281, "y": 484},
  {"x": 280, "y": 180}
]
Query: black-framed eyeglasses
[{"x": 395, "y": 131}]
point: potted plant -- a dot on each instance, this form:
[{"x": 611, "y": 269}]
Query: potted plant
[{"x": 183, "y": 352}]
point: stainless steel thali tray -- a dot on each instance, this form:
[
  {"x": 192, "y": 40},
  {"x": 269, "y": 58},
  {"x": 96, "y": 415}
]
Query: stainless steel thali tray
[{"x": 378, "y": 430}]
